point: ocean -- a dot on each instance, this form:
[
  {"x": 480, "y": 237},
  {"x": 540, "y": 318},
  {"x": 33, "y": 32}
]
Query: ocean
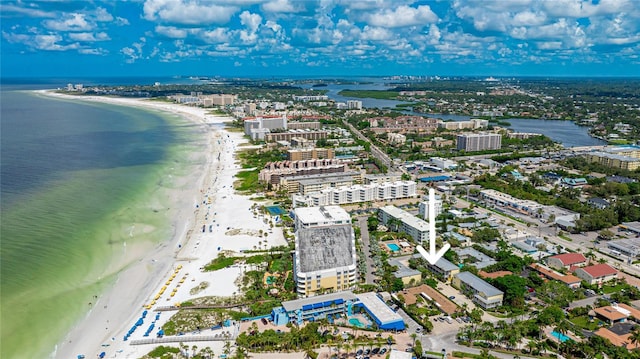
[{"x": 79, "y": 181}]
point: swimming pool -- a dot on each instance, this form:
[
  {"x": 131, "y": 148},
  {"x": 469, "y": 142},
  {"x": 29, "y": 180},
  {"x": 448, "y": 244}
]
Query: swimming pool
[
  {"x": 356, "y": 323},
  {"x": 561, "y": 337},
  {"x": 393, "y": 247}
]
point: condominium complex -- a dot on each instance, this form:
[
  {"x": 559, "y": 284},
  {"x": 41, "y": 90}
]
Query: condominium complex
[
  {"x": 382, "y": 177},
  {"x": 219, "y": 100},
  {"x": 257, "y": 128},
  {"x": 479, "y": 141},
  {"x": 417, "y": 228},
  {"x": 357, "y": 194},
  {"x": 325, "y": 250},
  {"x": 482, "y": 293},
  {"x": 287, "y": 136},
  {"x": 273, "y": 171},
  {"x": 614, "y": 160},
  {"x": 473, "y": 123},
  {"x": 310, "y": 153},
  {"x": 310, "y": 183}
]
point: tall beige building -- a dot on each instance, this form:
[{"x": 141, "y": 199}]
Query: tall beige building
[{"x": 325, "y": 254}]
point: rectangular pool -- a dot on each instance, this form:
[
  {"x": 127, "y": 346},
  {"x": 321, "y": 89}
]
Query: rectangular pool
[{"x": 393, "y": 247}]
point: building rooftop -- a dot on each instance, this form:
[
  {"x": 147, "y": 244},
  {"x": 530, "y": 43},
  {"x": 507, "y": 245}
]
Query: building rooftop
[
  {"x": 566, "y": 279},
  {"x": 599, "y": 270},
  {"x": 569, "y": 259},
  {"x": 406, "y": 217},
  {"x": 297, "y": 304},
  {"x": 378, "y": 308},
  {"x": 610, "y": 313},
  {"x": 482, "y": 260},
  {"x": 445, "y": 265},
  {"x": 629, "y": 245},
  {"x": 328, "y": 247},
  {"x": 478, "y": 284},
  {"x": 310, "y": 215},
  {"x": 403, "y": 270},
  {"x": 614, "y": 156}
]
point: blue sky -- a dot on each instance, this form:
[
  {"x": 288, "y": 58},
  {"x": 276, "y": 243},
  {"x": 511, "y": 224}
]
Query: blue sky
[{"x": 320, "y": 38}]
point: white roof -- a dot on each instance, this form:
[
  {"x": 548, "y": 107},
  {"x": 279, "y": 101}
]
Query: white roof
[
  {"x": 396, "y": 354},
  {"x": 322, "y": 214}
]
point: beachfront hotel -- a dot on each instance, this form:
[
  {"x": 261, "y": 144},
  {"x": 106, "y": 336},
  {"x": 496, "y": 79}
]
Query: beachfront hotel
[{"x": 325, "y": 250}]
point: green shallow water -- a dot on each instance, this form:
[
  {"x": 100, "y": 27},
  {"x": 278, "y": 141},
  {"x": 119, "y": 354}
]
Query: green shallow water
[{"x": 61, "y": 231}]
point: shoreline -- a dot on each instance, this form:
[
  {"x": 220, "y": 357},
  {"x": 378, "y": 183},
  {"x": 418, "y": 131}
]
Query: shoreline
[{"x": 193, "y": 202}]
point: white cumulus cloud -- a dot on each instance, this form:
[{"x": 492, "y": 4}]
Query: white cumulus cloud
[
  {"x": 190, "y": 12},
  {"x": 403, "y": 16}
]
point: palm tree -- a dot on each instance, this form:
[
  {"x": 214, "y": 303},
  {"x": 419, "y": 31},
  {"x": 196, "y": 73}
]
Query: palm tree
[
  {"x": 635, "y": 336},
  {"x": 531, "y": 345}
]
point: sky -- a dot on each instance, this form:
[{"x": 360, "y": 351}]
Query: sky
[{"x": 315, "y": 38}]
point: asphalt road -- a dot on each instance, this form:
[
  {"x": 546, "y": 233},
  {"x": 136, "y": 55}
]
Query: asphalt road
[{"x": 364, "y": 235}]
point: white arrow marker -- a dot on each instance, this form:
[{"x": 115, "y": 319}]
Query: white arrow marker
[{"x": 432, "y": 256}]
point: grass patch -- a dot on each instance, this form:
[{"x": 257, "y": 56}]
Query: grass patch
[
  {"x": 247, "y": 180},
  {"x": 607, "y": 289},
  {"x": 162, "y": 352},
  {"x": 584, "y": 323},
  {"x": 565, "y": 238},
  {"x": 220, "y": 262}
]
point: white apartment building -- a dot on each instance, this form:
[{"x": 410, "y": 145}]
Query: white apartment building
[
  {"x": 479, "y": 141},
  {"x": 354, "y": 105},
  {"x": 423, "y": 208},
  {"x": 417, "y": 228},
  {"x": 357, "y": 194}
]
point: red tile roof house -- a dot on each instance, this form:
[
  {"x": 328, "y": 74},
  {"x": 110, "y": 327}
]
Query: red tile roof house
[
  {"x": 566, "y": 260},
  {"x": 597, "y": 274}
]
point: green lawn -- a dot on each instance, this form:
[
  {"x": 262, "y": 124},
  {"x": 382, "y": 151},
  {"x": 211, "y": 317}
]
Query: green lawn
[{"x": 584, "y": 323}]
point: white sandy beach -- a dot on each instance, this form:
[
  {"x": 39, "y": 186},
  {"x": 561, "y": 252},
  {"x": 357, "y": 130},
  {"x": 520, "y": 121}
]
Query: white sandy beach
[{"x": 210, "y": 201}]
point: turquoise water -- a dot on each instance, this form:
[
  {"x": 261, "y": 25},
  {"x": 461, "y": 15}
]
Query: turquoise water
[
  {"x": 356, "y": 322},
  {"x": 79, "y": 181},
  {"x": 561, "y": 337},
  {"x": 393, "y": 247}
]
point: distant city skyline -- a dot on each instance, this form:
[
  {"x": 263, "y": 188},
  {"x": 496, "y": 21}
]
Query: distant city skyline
[{"x": 251, "y": 38}]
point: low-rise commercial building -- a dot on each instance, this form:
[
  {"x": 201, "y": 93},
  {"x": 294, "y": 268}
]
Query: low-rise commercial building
[
  {"x": 482, "y": 293},
  {"x": 629, "y": 247},
  {"x": 499, "y": 199}
]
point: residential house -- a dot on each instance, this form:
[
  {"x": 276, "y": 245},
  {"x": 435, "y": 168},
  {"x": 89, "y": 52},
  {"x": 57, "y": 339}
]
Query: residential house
[
  {"x": 566, "y": 260},
  {"x": 597, "y": 274}
]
